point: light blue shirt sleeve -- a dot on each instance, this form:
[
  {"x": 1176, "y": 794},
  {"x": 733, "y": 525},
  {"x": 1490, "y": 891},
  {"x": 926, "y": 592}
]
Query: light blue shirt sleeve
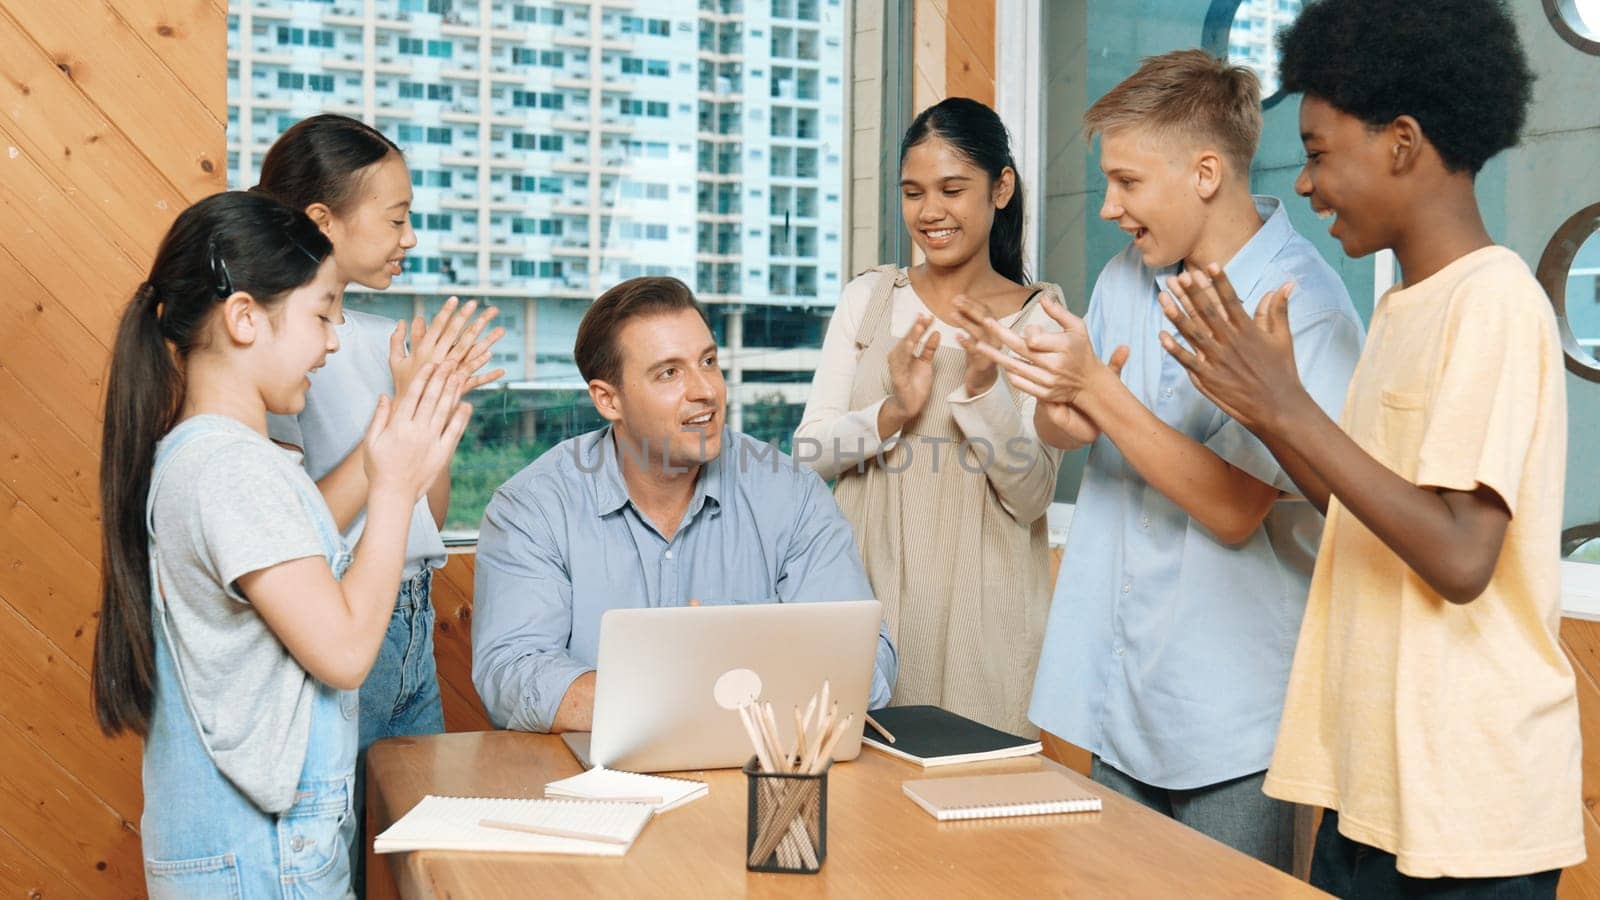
[
  {"x": 1327, "y": 344},
  {"x": 1094, "y": 319},
  {"x": 285, "y": 429},
  {"x": 522, "y": 616},
  {"x": 821, "y": 563}
]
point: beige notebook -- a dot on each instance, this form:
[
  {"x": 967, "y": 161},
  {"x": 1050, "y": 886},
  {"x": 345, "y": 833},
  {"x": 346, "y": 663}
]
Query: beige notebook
[{"x": 1038, "y": 793}]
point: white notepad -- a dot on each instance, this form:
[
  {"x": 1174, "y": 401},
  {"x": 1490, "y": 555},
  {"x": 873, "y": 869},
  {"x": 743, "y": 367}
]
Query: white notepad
[
  {"x": 600, "y": 783},
  {"x": 452, "y": 823}
]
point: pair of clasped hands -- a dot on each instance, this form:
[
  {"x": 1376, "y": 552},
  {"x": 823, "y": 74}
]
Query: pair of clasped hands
[{"x": 1242, "y": 363}]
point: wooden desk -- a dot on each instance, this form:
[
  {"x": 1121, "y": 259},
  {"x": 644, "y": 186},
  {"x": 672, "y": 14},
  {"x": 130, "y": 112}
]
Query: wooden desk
[{"x": 879, "y": 842}]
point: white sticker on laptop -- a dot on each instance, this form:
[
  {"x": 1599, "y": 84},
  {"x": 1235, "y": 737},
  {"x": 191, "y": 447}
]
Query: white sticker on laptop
[{"x": 737, "y": 688}]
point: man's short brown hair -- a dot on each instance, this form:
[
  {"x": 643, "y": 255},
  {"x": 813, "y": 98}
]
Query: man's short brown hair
[
  {"x": 596, "y": 350},
  {"x": 1189, "y": 93}
]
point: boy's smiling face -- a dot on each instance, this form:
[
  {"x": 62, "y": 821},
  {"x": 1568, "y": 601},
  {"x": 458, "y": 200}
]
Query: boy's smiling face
[
  {"x": 1347, "y": 176},
  {"x": 1152, "y": 193}
]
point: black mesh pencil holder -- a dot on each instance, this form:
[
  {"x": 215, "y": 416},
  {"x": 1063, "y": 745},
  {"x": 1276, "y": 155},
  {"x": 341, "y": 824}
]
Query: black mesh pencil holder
[{"x": 787, "y": 829}]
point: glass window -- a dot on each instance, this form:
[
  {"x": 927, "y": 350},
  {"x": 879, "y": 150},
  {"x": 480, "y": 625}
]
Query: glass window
[
  {"x": 1578, "y": 21},
  {"x": 1253, "y": 38},
  {"x": 581, "y": 194}
]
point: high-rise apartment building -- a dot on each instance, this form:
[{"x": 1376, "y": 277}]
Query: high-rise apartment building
[
  {"x": 557, "y": 148},
  {"x": 1252, "y": 41}
]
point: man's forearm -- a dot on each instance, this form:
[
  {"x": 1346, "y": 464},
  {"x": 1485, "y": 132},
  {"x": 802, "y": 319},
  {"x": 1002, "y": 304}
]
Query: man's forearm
[
  {"x": 1311, "y": 485},
  {"x": 1221, "y": 497},
  {"x": 1451, "y": 551},
  {"x": 576, "y": 712},
  {"x": 1077, "y": 431}
]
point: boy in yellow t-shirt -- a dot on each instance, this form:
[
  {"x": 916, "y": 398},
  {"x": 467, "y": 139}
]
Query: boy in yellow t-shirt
[{"x": 1430, "y": 707}]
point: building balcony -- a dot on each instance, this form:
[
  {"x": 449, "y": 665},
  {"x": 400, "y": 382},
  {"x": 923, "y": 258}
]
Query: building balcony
[
  {"x": 268, "y": 56},
  {"x": 459, "y": 113},
  {"x": 263, "y": 11},
  {"x": 390, "y": 20},
  {"x": 348, "y": 17}
]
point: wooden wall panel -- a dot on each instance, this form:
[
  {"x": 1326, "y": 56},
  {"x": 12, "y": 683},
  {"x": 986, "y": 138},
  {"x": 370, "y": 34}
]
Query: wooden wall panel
[
  {"x": 452, "y": 645},
  {"x": 112, "y": 120},
  {"x": 969, "y": 50},
  {"x": 953, "y": 45},
  {"x": 1581, "y": 641},
  {"x": 928, "y": 53}
]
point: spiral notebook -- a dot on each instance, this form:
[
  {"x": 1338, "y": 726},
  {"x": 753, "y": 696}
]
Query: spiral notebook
[
  {"x": 1038, "y": 793},
  {"x": 600, "y": 783},
  {"x": 458, "y": 823}
]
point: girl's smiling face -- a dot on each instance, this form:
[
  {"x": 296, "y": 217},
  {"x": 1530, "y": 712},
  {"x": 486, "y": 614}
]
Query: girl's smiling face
[
  {"x": 948, "y": 203},
  {"x": 300, "y": 337},
  {"x": 371, "y": 237}
]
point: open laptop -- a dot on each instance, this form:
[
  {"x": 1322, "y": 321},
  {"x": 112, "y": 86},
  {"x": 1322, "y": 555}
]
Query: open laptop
[{"x": 654, "y": 710}]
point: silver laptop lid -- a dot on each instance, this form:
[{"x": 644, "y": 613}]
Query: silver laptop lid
[{"x": 654, "y": 708}]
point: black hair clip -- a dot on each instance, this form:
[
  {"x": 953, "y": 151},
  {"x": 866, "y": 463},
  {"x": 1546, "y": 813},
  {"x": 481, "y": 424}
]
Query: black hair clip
[{"x": 221, "y": 281}]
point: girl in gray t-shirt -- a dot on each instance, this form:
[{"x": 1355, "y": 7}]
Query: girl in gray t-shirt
[
  {"x": 232, "y": 637},
  {"x": 353, "y": 182}
]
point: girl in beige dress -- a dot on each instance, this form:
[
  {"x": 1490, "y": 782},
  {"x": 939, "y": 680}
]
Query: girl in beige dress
[{"x": 935, "y": 459}]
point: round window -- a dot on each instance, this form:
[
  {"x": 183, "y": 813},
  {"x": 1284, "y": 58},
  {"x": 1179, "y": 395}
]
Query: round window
[
  {"x": 1578, "y": 21},
  {"x": 1569, "y": 270},
  {"x": 1245, "y": 32}
]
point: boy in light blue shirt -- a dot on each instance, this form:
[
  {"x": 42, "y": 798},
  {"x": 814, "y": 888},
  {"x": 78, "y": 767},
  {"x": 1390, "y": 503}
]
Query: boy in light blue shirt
[{"x": 1185, "y": 574}]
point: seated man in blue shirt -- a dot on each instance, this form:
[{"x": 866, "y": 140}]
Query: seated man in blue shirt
[{"x": 666, "y": 506}]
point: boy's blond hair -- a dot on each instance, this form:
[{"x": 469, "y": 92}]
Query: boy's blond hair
[{"x": 1190, "y": 93}]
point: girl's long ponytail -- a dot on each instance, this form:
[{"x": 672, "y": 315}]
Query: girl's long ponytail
[{"x": 142, "y": 392}]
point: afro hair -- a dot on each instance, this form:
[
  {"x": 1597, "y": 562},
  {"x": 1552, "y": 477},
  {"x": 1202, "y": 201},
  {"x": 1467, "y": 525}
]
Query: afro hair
[{"x": 1456, "y": 66}]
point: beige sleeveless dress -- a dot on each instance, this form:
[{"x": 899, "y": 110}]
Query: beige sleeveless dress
[{"x": 965, "y": 587}]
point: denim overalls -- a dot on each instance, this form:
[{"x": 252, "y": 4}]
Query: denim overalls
[{"x": 202, "y": 837}]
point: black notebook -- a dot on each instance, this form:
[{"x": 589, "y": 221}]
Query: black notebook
[{"x": 932, "y": 736}]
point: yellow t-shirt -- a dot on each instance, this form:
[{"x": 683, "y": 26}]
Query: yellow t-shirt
[{"x": 1447, "y": 734}]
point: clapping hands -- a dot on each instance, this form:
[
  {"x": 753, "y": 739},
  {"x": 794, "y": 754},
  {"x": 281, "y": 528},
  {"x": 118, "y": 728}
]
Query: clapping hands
[
  {"x": 1243, "y": 364},
  {"x": 451, "y": 338}
]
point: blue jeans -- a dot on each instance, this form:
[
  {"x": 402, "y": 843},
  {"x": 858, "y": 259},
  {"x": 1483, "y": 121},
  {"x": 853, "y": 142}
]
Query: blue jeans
[
  {"x": 1346, "y": 868},
  {"x": 401, "y": 694},
  {"x": 1234, "y": 812}
]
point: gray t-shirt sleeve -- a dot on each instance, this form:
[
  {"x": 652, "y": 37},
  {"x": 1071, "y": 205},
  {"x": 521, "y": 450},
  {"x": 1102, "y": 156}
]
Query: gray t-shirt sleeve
[{"x": 251, "y": 517}]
